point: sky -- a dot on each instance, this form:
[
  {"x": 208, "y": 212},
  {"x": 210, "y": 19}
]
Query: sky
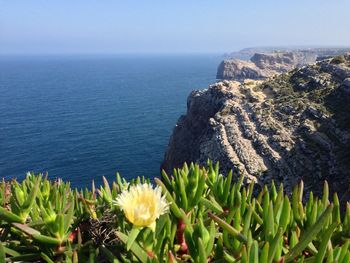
[{"x": 164, "y": 26}]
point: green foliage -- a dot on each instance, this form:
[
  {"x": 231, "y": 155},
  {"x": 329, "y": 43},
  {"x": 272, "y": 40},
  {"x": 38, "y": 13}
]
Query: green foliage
[
  {"x": 212, "y": 218},
  {"x": 338, "y": 60}
]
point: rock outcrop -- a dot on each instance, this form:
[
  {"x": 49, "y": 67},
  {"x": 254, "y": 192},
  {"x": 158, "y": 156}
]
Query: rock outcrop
[
  {"x": 293, "y": 126},
  {"x": 264, "y": 64},
  {"x": 247, "y": 53},
  {"x": 260, "y": 66}
]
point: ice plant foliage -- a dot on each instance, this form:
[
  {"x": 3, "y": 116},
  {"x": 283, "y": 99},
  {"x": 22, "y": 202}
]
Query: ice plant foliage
[
  {"x": 195, "y": 215},
  {"x": 142, "y": 204}
]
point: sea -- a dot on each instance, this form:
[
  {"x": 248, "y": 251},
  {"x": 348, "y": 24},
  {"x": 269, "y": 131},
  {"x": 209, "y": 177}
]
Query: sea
[{"x": 81, "y": 117}]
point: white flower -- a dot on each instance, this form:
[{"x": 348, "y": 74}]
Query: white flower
[{"x": 142, "y": 205}]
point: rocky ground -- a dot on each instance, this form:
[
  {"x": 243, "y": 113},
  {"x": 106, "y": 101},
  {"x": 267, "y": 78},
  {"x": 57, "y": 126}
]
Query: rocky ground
[{"x": 290, "y": 127}]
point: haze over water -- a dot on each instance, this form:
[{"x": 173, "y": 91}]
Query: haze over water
[{"x": 82, "y": 117}]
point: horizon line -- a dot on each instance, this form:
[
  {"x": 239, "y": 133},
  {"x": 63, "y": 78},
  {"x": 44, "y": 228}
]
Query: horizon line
[{"x": 234, "y": 50}]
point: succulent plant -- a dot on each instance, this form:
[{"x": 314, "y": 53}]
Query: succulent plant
[{"x": 211, "y": 218}]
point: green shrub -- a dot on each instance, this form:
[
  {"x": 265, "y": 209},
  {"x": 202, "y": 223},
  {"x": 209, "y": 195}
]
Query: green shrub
[
  {"x": 338, "y": 60},
  {"x": 210, "y": 219}
]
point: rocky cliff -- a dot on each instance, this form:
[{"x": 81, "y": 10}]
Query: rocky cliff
[
  {"x": 261, "y": 65},
  {"x": 247, "y": 53},
  {"x": 267, "y": 63},
  {"x": 293, "y": 126}
]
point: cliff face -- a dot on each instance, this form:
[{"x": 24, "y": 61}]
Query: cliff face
[
  {"x": 247, "y": 53},
  {"x": 265, "y": 64},
  {"x": 261, "y": 66},
  {"x": 291, "y": 127}
]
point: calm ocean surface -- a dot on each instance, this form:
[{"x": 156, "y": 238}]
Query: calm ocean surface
[{"x": 82, "y": 117}]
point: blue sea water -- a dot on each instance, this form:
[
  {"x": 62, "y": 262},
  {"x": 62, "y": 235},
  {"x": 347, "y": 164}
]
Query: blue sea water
[{"x": 84, "y": 117}]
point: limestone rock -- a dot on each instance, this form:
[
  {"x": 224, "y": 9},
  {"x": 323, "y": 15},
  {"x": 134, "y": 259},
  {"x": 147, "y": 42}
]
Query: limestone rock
[
  {"x": 267, "y": 63},
  {"x": 291, "y": 127},
  {"x": 260, "y": 66},
  {"x": 346, "y": 85}
]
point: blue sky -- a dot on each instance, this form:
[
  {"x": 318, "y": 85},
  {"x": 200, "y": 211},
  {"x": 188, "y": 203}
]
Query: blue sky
[{"x": 162, "y": 26}]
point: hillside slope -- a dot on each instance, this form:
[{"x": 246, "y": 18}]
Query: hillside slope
[{"x": 293, "y": 126}]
